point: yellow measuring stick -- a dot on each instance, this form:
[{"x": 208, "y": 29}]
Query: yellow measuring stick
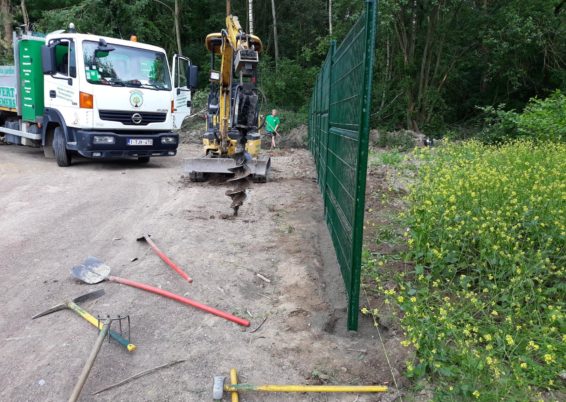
[
  {"x": 234, "y": 387},
  {"x": 306, "y": 388}
]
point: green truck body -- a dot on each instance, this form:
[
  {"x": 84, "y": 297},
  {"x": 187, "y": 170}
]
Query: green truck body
[
  {"x": 27, "y": 97},
  {"x": 8, "y": 88},
  {"x": 31, "y": 79}
]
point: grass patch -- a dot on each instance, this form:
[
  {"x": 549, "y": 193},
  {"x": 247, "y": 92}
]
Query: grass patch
[
  {"x": 484, "y": 306},
  {"x": 390, "y": 158}
]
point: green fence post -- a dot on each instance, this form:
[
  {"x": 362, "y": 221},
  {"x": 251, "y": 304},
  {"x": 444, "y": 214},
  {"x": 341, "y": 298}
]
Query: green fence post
[
  {"x": 339, "y": 144},
  {"x": 330, "y": 60},
  {"x": 358, "y": 228}
]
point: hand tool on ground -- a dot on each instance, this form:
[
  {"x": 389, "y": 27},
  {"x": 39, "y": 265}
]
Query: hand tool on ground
[
  {"x": 93, "y": 270},
  {"x": 161, "y": 254},
  {"x": 219, "y": 387},
  {"x": 89, "y": 363},
  {"x": 104, "y": 332},
  {"x": 139, "y": 375},
  {"x": 71, "y": 305}
]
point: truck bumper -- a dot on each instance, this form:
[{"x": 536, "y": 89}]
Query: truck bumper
[{"x": 122, "y": 146}]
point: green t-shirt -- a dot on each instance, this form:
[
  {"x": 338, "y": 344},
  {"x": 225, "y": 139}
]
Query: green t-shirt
[{"x": 271, "y": 122}]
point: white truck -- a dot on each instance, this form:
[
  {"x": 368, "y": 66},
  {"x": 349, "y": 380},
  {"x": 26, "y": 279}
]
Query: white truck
[{"x": 99, "y": 97}]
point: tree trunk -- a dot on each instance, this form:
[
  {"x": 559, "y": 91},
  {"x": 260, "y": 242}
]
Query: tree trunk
[
  {"x": 330, "y": 17},
  {"x": 251, "y": 16},
  {"x": 6, "y": 17},
  {"x": 25, "y": 15},
  {"x": 275, "y": 41},
  {"x": 177, "y": 29}
]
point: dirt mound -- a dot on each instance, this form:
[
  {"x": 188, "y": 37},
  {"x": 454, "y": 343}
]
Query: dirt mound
[
  {"x": 296, "y": 138},
  {"x": 190, "y": 137}
]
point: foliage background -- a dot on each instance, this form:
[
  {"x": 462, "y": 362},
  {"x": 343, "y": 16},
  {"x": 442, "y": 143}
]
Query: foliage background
[{"x": 437, "y": 60}]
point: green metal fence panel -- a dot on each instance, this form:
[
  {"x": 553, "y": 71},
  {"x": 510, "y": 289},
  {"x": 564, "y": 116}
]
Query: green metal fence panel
[{"x": 338, "y": 139}]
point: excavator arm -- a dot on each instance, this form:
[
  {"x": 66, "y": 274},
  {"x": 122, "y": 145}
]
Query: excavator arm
[
  {"x": 239, "y": 58},
  {"x": 232, "y": 141}
]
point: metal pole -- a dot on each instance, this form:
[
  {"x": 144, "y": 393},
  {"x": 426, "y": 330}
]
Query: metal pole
[
  {"x": 358, "y": 230},
  {"x": 177, "y": 28},
  {"x": 307, "y": 388},
  {"x": 330, "y": 17},
  {"x": 251, "y": 16},
  {"x": 275, "y": 40}
]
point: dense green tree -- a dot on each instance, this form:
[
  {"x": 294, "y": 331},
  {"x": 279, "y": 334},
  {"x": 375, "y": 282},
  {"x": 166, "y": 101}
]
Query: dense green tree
[
  {"x": 436, "y": 60},
  {"x": 439, "y": 59}
]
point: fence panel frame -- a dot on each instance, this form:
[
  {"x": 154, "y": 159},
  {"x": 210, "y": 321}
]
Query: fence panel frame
[{"x": 345, "y": 220}]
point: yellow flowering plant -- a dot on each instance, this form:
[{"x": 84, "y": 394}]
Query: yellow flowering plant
[{"x": 487, "y": 235}]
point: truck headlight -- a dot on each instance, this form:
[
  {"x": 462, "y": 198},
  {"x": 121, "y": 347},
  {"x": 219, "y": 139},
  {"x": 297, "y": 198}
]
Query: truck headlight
[
  {"x": 103, "y": 139},
  {"x": 168, "y": 140}
]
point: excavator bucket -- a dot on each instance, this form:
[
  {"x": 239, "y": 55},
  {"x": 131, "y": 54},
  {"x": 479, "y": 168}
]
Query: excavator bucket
[{"x": 196, "y": 168}]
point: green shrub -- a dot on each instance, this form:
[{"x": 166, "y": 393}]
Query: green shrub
[
  {"x": 484, "y": 307},
  {"x": 287, "y": 86},
  {"x": 542, "y": 120},
  {"x": 200, "y": 101},
  {"x": 499, "y": 126}
]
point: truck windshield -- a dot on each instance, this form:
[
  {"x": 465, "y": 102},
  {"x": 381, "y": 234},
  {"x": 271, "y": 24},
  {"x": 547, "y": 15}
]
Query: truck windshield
[{"x": 126, "y": 66}]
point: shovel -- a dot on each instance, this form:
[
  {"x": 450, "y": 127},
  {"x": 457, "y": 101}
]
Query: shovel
[{"x": 94, "y": 270}]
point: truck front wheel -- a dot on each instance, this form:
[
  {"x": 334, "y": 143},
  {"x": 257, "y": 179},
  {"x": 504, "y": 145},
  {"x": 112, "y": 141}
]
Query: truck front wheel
[{"x": 62, "y": 155}]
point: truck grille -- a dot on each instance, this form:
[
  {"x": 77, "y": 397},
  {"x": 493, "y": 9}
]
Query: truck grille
[{"x": 125, "y": 117}]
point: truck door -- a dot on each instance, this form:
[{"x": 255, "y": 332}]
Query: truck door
[
  {"x": 181, "y": 90},
  {"x": 62, "y": 88}
]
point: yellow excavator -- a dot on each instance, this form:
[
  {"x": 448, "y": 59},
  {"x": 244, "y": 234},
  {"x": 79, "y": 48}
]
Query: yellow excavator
[{"x": 232, "y": 141}]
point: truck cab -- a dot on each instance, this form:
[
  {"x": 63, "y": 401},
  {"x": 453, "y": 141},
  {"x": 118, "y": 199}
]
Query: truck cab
[{"x": 100, "y": 97}]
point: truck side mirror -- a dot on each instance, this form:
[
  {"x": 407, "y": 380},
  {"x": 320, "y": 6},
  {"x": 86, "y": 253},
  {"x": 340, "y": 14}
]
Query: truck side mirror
[
  {"x": 48, "y": 60},
  {"x": 192, "y": 73}
]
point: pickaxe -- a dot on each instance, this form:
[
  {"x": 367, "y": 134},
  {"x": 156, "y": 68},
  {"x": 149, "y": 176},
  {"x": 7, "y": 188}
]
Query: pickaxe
[{"x": 71, "y": 305}]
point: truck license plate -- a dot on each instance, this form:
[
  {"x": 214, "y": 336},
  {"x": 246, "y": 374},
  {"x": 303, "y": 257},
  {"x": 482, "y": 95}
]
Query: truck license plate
[{"x": 136, "y": 141}]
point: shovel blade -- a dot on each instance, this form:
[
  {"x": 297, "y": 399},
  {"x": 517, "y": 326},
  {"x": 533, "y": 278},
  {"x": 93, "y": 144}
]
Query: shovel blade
[{"x": 91, "y": 271}]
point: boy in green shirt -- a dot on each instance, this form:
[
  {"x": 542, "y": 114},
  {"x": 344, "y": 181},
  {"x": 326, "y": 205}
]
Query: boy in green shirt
[{"x": 271, "y": 125}]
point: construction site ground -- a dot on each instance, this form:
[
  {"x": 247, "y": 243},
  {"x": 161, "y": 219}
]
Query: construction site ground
[{"x": 52, "y": 218}]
